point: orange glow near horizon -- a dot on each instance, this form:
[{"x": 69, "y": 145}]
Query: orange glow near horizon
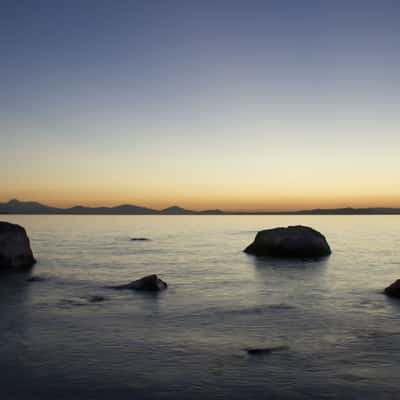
[{"x": 232, "y": 107}]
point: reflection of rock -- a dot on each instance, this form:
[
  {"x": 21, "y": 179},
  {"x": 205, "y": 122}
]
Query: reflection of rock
[
  {"x": 139, "y": 239},
  {"x": 15, "y": 249},
  {"x": 293, "y": 241},
  {"x": 151, "y": 283},
  {"x": 266, "y": 350},
  {"x": 394, "y": 289}
]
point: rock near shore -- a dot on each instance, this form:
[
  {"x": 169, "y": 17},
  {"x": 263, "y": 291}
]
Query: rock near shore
[
  {"x": 394, "y": 289},
  {"x": 150, "y": 283},
  {"x": 15, "y": 250},
  {"x": 293, "y": 242}
]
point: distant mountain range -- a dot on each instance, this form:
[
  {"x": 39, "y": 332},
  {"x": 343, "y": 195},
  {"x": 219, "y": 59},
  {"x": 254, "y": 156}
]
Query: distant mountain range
[{"x": 31, "y": 207}]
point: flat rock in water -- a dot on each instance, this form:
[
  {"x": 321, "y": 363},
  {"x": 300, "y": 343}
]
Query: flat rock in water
[
  {"x": 291, "y": 242},
  {"x": 96, "y": 299},
  {"x": 15, "y": 249},
  {"x": 394, "y": 289},
  {"x": 36, "y": 278},
  {"x": 140, "y": 239},
  {"x": 150, "y": 283},
  {"x": 265, "y": 350}
]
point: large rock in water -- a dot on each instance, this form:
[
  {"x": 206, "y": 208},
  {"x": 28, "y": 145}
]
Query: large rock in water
[
  {"x": 150, "y": 283},
  {"x": 394, "y": 289},
  {"x": 293, "y": 241},
  {"x": 15, "y": 249}
]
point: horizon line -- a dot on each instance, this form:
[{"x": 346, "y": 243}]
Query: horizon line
[{"x": 216, "y": 210}]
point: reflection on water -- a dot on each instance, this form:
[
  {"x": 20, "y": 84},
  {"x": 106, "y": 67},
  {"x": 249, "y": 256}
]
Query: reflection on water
[{"x": 342, "y": 334}]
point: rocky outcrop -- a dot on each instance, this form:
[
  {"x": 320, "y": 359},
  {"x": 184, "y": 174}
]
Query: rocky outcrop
[
  {"x": 150, "y": 283},
  {"x": 293, "y": 241},
  {"x": 15, "y": 249},
  {"x": 394, "y": 289}
]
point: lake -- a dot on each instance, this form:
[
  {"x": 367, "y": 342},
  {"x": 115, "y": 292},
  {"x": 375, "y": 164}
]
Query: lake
[{"x": 342, "y": 334}]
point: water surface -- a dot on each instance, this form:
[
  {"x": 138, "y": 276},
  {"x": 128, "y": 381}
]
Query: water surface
[{"x": 188, "y": 342}]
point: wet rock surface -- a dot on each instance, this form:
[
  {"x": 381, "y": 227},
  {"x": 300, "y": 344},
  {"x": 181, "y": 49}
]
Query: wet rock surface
[
  {"x": 291, "y": 242},
  {"x": 265, "y": 350},
  {"x": 150, "y": 283},
  {"x": 393, "y": 290},
  {"x": 15, "y": 250},
  {"x": 36, "y": 278}
]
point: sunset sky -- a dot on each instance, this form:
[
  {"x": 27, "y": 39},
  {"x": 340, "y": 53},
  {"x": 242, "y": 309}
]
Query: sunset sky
[{"x": 265, "y": 105}]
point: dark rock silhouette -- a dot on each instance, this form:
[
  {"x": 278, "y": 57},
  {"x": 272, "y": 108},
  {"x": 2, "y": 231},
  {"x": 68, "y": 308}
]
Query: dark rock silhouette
[
  {"x": 36, "y": 278},
  {"x": 139, "y": 239},
  {"x": 150, "y": 283},
  {"x": 265, "y": 350},
  {"x": 293, "y": 241},
  {"x": 15, "y": 249},
  {"x": 394, "y": 289}
]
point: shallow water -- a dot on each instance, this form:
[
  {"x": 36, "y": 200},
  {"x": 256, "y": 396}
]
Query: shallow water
[{"x": 189, "y": 342}]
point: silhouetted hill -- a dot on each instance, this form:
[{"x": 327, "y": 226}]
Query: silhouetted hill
[
  {"x": 211, "y": 212},
  {"x": 26, "y": 207},
  {"x": 176, "y": 210},
  {"x": 350, "y": 211},
  {"x": 124, "y": 209},
  {"x": 31, "y": 207},
  {"x": 327, "y": 211}
]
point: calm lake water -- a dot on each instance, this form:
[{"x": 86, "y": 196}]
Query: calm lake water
[{"x": 188, "y": 342}]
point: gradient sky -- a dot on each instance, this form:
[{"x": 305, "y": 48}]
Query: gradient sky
[{"x": 206, "y": 104}]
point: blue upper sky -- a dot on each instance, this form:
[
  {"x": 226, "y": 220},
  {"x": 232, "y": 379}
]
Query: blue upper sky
[{"x": 232, "y": 104}]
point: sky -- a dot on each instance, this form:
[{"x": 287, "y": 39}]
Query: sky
[{"x": 238, "y": 105}]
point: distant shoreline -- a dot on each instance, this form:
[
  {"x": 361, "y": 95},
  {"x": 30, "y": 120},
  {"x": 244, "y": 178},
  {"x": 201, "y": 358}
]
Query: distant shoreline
[{"x": 16, "y": 207}]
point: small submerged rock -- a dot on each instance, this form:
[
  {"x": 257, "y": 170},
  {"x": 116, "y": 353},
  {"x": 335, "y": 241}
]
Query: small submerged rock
[
  {"x": 265, "y": 350},
  {"x": 394, "y": 289},
  {"x": 150, "y": 283},
  {"x": 15, "y": 250},
  {"x": 36, "y": 278},
  {"x": 96, "y": 299},
  {"x": 294, "y": 242},
  {"x": 82, "y": 301},
  {"x": 73, "y": 302}
]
